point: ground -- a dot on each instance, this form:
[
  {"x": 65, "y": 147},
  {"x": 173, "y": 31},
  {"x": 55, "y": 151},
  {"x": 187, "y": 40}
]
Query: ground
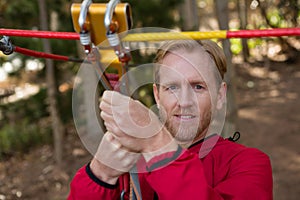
[{"x": 269, "y": 116}]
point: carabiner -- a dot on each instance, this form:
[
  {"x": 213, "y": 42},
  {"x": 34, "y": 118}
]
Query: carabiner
[
  {"x": 85, "y": 38},
  {"x": 111, "y": 26},
  {"x": 110, "y": 8},
  {"x": 122, "y": 195}
]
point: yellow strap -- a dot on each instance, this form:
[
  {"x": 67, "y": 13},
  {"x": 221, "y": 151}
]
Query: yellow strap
[{"x": 196, "y": 35}]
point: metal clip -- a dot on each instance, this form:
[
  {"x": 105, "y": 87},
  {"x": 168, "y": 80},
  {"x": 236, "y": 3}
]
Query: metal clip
[
  {"x": 110, "y": 8},
  {"x": 6, "y": 46},
  {"x": 122, "y": 195},
  {"x": 85, "y": 37},
  {"x": 111, "y": 26}
]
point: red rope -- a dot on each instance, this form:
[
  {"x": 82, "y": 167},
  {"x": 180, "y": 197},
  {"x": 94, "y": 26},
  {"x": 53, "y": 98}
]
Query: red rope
[
  {"x": 264, "y": 33},
  {"x": 75, "y": 36},
  {"x": 112, "y": 78},
  {"x": 40, "y": 34},
  {"x": 38, "y": 54}
]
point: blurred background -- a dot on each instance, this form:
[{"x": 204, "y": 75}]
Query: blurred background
[{"x": 40, "y": 150}]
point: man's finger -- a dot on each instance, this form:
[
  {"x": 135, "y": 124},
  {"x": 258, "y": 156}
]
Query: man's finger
[
  {"x": 113, "y": 129},
  {"x": 105, "y": 107},
  {"x": 111, "y": 139},
  {"x": 114, "y": 98},
  {"x": 105, "y": 116}
]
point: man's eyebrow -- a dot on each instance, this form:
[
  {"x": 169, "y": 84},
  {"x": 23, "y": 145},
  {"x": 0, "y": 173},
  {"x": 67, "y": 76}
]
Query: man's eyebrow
[
  {"x": 193, "y": 82},
  {"x": 171, "y": 82}
]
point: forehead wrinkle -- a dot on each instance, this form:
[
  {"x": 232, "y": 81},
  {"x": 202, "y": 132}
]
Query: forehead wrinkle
[
  {"x": 187, "y": 57},
  {"x": 199, "y": 61},
  {"x": 193, "y": 73}
]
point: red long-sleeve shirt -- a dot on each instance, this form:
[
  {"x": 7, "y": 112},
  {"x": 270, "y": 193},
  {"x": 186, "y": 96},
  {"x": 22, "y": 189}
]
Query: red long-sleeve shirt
[{"x": 214, "y": 169}]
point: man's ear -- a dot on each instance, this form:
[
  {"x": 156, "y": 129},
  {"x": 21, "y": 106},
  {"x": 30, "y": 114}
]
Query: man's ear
[
  {"x": 156, "y": 93},
  {"x": 221, "y": 95}
]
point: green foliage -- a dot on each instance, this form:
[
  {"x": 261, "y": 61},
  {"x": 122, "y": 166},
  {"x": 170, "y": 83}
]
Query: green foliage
[
  {"x": 152, "y": 13},
  {"x": 138, "y": 58},
  {"x": 20, "y": 13},
  {"x": 35, "y": 108},
  {"x": 252, "y": 43},
  {"x": 21, "y": 136},
  {"x": 26, "y": 123},
  {"x": 236, "y": 46},
  {"x": 145, "y": 95},
  {"x": 274, "y": 18},
  {"x": 32, "y": 108},
  {"x": 281, "y": 13}
]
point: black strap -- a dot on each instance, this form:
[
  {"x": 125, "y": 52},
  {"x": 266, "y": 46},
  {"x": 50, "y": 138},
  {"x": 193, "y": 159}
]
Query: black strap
[
  {"x": 236, "y": 136},
  {"x": 165, "y": 161}
]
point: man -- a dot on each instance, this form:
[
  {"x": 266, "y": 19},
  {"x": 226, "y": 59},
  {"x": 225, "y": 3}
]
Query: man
[{"x": 179, "y": 155}]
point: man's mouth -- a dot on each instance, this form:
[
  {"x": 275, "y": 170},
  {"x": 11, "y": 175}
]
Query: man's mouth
[{"x": 185, "y": 117}]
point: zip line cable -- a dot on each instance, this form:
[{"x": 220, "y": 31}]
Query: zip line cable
[
  {"x": 40, "y": 34},
  {"x": 197, "y": 35},
  {"x": 136, "y": 37}
]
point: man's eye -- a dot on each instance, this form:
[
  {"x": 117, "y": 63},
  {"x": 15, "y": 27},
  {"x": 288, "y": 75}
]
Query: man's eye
[
  {"x": 172, "y": 87},
  {"x": 198, "y": 87}
]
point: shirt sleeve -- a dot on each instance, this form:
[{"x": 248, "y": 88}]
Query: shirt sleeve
[
  {"x": 85, "y": 185},
  {"x": 249, "y": 177}
]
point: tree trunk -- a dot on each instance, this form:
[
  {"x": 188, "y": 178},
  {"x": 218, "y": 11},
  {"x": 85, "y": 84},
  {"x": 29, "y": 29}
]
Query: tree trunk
[
  {"x": 242, "y": 7},
  {"x": 223, "y": 19},
  {"x": 189, "y": 13},
  {"x": 57, "y": 126}
]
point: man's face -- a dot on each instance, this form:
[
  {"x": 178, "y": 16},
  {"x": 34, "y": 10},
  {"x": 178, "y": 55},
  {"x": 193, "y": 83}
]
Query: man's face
[{"x": 187, "y": 93}]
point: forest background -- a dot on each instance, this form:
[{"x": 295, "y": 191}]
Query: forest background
[{"x": 40, "y": 150}]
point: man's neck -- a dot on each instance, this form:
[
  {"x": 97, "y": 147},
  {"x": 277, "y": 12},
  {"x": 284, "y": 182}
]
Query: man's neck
[{"x": 201, "y": 137}]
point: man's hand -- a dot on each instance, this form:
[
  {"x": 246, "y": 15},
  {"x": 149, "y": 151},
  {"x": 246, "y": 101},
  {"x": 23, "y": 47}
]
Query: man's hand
[
  {"x": 112, "y": 160},
  {"x": 132, "y": 124},
  {"x": 128, "y": 120}
]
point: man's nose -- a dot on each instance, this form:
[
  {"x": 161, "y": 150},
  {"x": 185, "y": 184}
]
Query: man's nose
[{"x": 186, "y": 97}]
